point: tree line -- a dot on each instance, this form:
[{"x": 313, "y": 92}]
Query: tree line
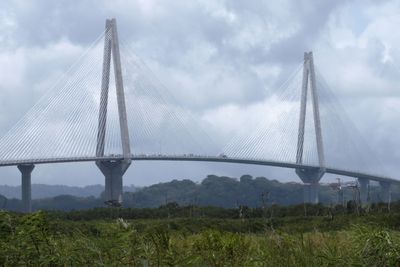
[{"x": 218, "y": 191}]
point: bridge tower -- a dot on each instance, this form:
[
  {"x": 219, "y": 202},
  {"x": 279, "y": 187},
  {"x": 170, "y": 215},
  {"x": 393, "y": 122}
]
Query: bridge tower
[
  {"x": 113, "y": 170},
  {"x": 310, "y": 176}
]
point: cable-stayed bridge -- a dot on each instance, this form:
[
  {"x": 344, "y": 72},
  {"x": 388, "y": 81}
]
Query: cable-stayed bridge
[{"x": 110, "y": 109}]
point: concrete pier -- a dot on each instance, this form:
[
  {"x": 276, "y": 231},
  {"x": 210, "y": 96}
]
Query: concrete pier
[
  {"x": 26, "y": 189},
  {"x": 113, "y": 172},
  {"x": 311, "y": 193},
  {"x": 310, "y": 178},
  {"x": 340, "y": 197},
  {"x": 385, "y": 192},
  {"x": 364, "y": 190}
]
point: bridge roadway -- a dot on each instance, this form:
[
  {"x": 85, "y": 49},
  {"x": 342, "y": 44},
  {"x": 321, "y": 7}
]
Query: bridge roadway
[{"x": 221, "y": 159}]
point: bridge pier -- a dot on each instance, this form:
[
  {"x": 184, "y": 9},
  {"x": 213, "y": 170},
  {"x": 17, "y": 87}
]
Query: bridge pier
[
  {"x": 311, "y": 193},
  {"x": 113, "y": 171},
  {"x": 310, "y": 178},
  {"x": 364, "y": 188},
  {"x": 26, "y": 189},
  {"x": 340, "y": 197},
  {"x": 385, "y": 191}
]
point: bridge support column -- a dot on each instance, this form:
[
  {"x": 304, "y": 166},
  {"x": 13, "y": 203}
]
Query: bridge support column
[
  {"x": 311, "y": 193},
  {"x": 340, "y": 197},
  {"x": 26, "y": 170},
  {"x": 385, "y": 192},
  {"x": 364, "y": 190},
  {"x": 310, "y": 178},
  {"x": 113, "y": 172}
]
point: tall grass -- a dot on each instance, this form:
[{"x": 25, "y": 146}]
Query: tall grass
[{"x": 34, "y": 240}]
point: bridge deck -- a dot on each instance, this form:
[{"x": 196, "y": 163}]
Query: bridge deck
[{"x": 219, "y": 159}]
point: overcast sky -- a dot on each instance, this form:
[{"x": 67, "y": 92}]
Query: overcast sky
[{"x": 218, "y": 57}]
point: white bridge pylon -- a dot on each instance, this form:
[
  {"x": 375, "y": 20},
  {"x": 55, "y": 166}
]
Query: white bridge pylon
[
  {"x": 310, "y": 177},
  {"x": 112, "y": 110},
  {"x": 113, "y": 170}
]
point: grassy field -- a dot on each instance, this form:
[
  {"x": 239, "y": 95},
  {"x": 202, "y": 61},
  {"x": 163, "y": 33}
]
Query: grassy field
[{"x": 48, "y": 239}]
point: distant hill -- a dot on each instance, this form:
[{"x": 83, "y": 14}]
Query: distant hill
[
  {"x": 214, "y": 190},
  {"x": 224, "y": 192},
  {"x": 47, "y": 191},
  {"x": 230, "y": 192}
]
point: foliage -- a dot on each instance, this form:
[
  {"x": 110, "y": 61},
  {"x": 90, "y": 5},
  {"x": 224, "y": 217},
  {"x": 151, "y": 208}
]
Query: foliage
[
  {"x": 49, "y": 239},
  {"x": 377, "y": 246},
  {"x": 216, "y": 249}
]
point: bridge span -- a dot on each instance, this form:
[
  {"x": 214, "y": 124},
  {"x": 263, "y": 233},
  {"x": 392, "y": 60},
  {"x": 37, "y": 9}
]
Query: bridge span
[
  {"x": 26, "y": 166},
  {"x": 201, "y": 158}
]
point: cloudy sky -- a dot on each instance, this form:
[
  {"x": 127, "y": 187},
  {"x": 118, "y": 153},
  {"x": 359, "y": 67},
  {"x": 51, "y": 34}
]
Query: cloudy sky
[{"x": 219, "y": 58}]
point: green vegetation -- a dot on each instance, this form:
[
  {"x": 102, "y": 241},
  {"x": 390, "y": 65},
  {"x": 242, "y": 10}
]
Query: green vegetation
[
  {"x": 219, "y": 222},
  {"x": 172, "y": 235}
]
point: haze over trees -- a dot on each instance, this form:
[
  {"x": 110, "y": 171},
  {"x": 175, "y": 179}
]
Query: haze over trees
[{"x": 214, "y": 190}]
